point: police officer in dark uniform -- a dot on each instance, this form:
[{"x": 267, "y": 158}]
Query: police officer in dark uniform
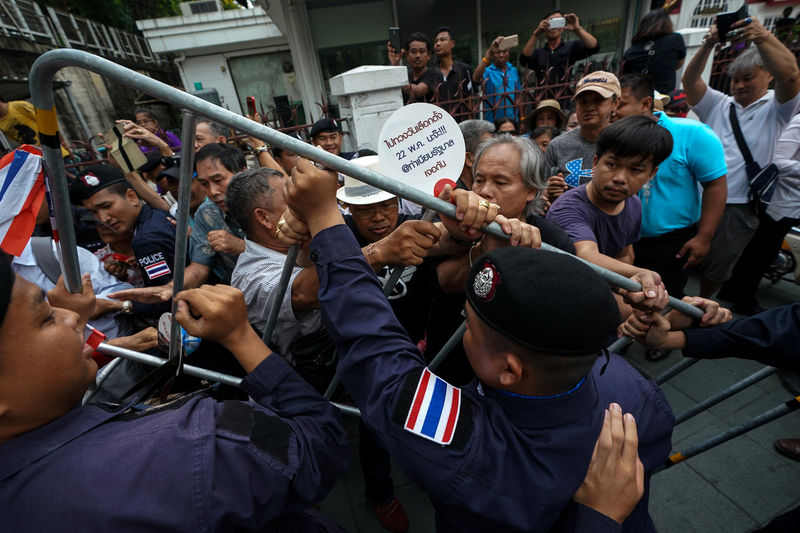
[
  {"x": 104, "y": 191},
  {"x": 192, "y": 465},
  {"x": 507, "y": 452}
]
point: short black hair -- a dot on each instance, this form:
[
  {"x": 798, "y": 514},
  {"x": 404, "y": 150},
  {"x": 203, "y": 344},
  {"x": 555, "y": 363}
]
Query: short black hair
[
  {"x": 553, "y": 12},
  {"x": 502, "y": 120},
  {"x": 449, "y": 31},
  {"x": 636, "y": 136},
  {"x": 228, "y": 156},
  {"x": 541, "y": 130},
  {"x": 421, "y": 37},
  {"x": 121, "y": 188},
  {"x": 146, "y": 111},
  {"x": 641, "y": 85}
]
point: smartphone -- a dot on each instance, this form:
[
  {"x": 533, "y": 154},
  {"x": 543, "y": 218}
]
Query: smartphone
[
  {"x": 251, "y": 105},
  {"x": 557, "y": 22},
  {"x": 726, "y": 20},
  {"x": 509, "y": 42},
  {"x": 394, "y": 39}
]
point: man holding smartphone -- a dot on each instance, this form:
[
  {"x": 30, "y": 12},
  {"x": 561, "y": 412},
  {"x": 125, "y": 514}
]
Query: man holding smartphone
[
  {"x": 555, "y": 56},
  {"x": 500, "y": 80}
]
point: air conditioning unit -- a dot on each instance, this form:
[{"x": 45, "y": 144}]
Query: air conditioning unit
[{"x": 200, "y": 6}]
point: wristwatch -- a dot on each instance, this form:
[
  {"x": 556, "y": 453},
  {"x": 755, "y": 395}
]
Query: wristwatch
[
  {"x": 127, "y": 307},
  {"x": 260, "y": 149}
]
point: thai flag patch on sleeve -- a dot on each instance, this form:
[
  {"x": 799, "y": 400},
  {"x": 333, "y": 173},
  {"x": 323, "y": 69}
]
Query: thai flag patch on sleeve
[
  {"x": 156, "y": 270},
  {"x": 434, "y": 411}
]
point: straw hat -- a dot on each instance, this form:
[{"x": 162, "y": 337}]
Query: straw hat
[{"x": 530, "y": 122}]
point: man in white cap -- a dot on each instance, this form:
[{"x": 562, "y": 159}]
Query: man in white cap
[{"x": 569, "y": 157}]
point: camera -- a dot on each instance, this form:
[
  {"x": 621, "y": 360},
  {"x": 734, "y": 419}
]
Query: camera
[{"x": 557, "y": 22}]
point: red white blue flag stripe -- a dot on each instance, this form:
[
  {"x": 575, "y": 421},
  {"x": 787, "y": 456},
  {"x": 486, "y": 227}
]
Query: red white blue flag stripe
[
  {"x": 21, "y": 195},
  {"x": 156, "y": 270},
  {"x": 434, "y": 411}
]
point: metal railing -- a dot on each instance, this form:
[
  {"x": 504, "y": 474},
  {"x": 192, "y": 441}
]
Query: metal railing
[{"x": 42, "y": 73}]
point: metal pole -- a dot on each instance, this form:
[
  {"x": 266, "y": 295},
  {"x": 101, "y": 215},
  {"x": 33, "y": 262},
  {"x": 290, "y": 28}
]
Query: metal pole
[
  {"x": 197, "y": 372},
  {"x": 677, "y": 369},
  {"x": 182, "y": 230},
  {"x": 280, "y": 292},
  {"x": 331, "y": 387},
  {"x": 397, "y": 271},
  {"x": 725, "y": 436},
  {"x": 101, "y": 377},
  {"x": 41, "y": 78},
  {"x": 725, "y": 394},
  {"x": 448, "y": 347}
]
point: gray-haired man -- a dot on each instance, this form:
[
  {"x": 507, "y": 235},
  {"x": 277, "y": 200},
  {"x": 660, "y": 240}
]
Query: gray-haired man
[{"x": 762, "y": 115}]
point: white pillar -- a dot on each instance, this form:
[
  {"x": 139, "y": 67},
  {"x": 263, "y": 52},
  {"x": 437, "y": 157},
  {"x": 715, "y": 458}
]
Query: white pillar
[
  {"x": 693, "y": 39},
  {"x": 368, "y": 95},
  {"x": 291, "y": 18}
]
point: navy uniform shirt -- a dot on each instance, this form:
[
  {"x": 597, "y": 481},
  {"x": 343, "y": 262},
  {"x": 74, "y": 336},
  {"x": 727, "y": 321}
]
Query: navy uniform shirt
[
  {"x": 495, "y": 461},
  {"x": 193, "y": 465},
  {"x": 770, "y": 338},
  {"x": 154, "y": 246}
]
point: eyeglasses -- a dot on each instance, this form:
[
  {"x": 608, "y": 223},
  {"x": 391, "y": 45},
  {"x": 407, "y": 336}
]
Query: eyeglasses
[{"x": 369, "y": 212}]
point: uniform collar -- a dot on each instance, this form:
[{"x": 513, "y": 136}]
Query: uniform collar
[
  {"x": 25, "y": 449},
  {"x": 541, "y": 412}
]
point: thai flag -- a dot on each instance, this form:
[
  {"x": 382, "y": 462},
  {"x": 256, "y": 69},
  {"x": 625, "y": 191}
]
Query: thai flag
[
  {"x": 434, "y": 411},
  {"x": 21, "y": 195},
  {"x": 156, "y": 270}
]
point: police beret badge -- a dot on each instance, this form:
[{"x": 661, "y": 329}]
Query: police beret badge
[
  {"x": 90, "y": 180},
  {"x": 486, "y": 282}
]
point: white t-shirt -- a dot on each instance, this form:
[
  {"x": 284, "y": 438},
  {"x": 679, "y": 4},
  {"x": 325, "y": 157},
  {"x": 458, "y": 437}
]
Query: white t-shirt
[
  {"x": 762, "y": 124},
  {"x": 786, "y": 199}
]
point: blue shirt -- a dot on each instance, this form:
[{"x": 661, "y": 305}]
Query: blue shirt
[
  {"x": 513, "y": 463},
  {"x": 671, "y": 200},
  {"x": 497, "y": 80}
]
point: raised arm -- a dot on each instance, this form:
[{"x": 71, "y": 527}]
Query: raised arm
[{"x": 692, "y": 79}]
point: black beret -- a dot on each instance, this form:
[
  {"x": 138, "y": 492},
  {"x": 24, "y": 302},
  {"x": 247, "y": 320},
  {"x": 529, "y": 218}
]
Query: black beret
[
  {"x": 325, "y": 125},
  {"x": 547, "y": 301},
  {"x": 6, "y": 284},
  {"x": 92, "y": 180},
  {"x": 171, "y": 172}
]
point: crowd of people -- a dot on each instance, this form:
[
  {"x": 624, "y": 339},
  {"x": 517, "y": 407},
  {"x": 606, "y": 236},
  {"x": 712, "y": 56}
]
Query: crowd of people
[{"x": 529, "y": 424}]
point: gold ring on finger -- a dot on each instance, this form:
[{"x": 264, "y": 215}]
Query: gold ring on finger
[
  {"x": 278, "y": 232},
  {"x": 281, "y": 222},
  {"x": 484, "y": 203}
]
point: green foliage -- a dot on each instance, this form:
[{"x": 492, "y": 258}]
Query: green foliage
[{"x": 118, "y": 13}]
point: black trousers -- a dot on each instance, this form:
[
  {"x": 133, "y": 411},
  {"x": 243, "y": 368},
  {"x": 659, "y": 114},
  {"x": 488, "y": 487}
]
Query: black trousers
[
  {"x": 376, "y": 466},
  {"x": 658, "y": 254},
  {"x": 756, "y": 258}
]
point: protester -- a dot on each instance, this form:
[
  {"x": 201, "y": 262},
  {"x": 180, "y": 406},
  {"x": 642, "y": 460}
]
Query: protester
[
  {"x": 551, "y": 62},
  {"x": 546, "y": 113},
  {"x": 18, "y": 123},
  {"x": 774, "y": 223},
  {"x": 422, "y": 80},
  {"x": 457, "y": 76},
  {"x": 677, "y": 106},
  {"x": 384, "y": 372},
  {"x": 500, "y": 81},
  {"x": 169, "y": 180},
  {"x": 603, "y": 217},
  {"x": 474, "y": 132},
  {"x": 207, "y": 131},
  {"x": 572, "y": 121},
  {"x": 544, "y": 135},
  {"x": 656, "y": 51},
  {"x": 762, "y": 115},
  {"x": 505, "y": 125},
  {"x": 568, "y": 161},
  {"x": 232, "y": 465},
  {"x": 677, "y": 227},
  {"x": 145, "y": 118}
]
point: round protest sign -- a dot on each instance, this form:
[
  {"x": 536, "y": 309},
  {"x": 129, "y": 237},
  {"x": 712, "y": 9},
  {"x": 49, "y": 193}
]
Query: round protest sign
[{"x": 421, "y": 145}]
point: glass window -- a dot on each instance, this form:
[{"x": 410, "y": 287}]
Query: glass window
[{"x": 271, "y": 79}]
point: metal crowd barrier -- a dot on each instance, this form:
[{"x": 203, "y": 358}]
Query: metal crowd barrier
[{"x": 41, "y": 79}]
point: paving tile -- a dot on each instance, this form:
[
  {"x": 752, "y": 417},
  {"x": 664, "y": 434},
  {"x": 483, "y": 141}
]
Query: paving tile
[{"x": 682, "y": 501}]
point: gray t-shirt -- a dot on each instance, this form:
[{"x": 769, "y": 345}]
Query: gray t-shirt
[{"x": 572, "y": 155}]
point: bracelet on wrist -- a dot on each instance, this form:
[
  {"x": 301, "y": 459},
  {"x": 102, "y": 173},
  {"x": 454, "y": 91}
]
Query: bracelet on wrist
[
  {"x": 260, "y": 149},
  {"x": 485, "y": 60}
]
